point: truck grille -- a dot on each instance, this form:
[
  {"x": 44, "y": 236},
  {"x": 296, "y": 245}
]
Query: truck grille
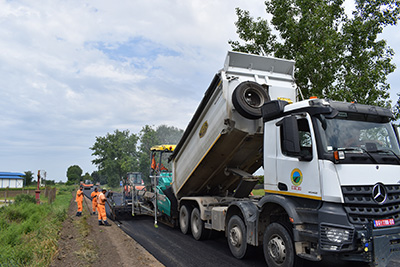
[{"x": 361, "y": 207}]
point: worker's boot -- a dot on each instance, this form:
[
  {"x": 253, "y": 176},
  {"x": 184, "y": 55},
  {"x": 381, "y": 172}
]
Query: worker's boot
[
  {"x": 100, "y": 222},
  {"x": 106, "y": 223},
  {"x": 78, "y": 214}
]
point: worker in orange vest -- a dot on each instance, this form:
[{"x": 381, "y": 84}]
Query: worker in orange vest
[
  {"x": 94, "y": 199},
  {"x": 79, "y": 200},
  {"x": 101, "y": 208}
]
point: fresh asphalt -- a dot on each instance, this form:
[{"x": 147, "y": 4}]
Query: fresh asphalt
[{"x": 174, "y": 249}]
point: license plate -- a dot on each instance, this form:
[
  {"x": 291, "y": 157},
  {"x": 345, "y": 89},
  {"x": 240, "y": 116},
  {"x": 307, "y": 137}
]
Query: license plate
[{"x": 385, "y": 222}]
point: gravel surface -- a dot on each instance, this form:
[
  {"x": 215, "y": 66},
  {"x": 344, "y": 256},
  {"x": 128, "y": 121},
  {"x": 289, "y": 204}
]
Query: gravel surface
[{"x": 96, "y": 244}]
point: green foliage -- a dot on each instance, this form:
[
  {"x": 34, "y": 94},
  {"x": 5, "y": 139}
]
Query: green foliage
[
  {"x": 119, "y": 153},
  {"x": 69, "y": 183},
  {"x": 87, "y": 177},
  {"x": 29, "y": 232},
  {"x": 168, "y": 135},
  {"x": 260, "y": 179},
  {"x": 337, "y": 56},
  {"x": 148, "y": 139},
  {"x": 74, "y": 173},
  {"x": 24, "y": 199},
  {"x": 28, "y": 178},
  {"x": 115, "y": 155}
]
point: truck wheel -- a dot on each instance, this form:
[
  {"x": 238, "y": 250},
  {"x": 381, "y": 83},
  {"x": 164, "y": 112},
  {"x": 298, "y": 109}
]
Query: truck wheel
[
  {"x": 278, "y": 247},
  {"x": 184, "y": 219},
  {"x": 197, "y": 225},
  {"x": 248, "y": 97},
  {"x": 237, "y": 237}
]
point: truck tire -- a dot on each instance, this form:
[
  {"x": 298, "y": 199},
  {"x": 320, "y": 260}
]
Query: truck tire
[
  {"x": 184, "y": 219},
  {"x": 237, "y": 237},
  {"x": 278, "y": 247},
  {"x": 248, "y": 97},
  {"x": 197, "y": 225}
]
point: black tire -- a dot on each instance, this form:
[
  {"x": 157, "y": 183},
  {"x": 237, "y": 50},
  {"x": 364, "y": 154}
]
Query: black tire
[
  {"x": 248, "y": 98},
  {"x": 237, "y": 237},
  {"x": 184, "y": 219},
  {"x": 197, "y": 225},
  {"x": 278, "y": 247}
]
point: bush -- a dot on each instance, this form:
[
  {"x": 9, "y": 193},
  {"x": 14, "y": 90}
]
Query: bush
[
  {"x": 29, "y": 232},
  {"x": 24, "y": 199}
]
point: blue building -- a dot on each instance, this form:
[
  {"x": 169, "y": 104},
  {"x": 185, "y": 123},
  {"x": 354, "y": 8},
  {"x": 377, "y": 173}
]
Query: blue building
[{"x": 11, "y": 179}]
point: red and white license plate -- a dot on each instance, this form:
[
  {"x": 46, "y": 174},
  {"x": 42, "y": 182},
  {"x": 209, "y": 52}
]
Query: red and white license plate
[{"x": 384, "y": 222}]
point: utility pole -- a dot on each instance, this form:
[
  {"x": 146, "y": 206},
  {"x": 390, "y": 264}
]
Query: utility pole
[{"x": 37, "y": 191}]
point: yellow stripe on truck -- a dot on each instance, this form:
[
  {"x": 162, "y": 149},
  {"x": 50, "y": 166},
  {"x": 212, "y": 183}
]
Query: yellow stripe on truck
[{"x": 292, "y": 194}]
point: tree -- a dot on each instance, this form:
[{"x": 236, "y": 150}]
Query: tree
[
  {"x": 87, "y": 177},
  {"x": 96, "y": 177},
  {"x": 168, "y": 135},
  {"x": 28, "y": 177},
  {"x": 74, "y": 174},
  {"x": 115, "y": 155},
  {"x": 148, "y": 138},
  {"x": 337, "y": 56}
]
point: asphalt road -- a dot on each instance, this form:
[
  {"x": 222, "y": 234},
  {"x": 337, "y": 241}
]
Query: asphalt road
[{"x": 174, "y": 249}]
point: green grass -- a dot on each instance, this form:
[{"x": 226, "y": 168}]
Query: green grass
[
  {"x": 258, "y": 192},
  {"x": 29, "y": 232}
]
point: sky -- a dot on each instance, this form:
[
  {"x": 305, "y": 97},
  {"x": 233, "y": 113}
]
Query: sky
[{"x": 71, "y": 71}]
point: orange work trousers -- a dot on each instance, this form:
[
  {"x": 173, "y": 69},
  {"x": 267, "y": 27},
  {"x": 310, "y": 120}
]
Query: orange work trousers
[
  {"x": 102, "y": 212},
  {"x": 94, "y": 204},
  {"x": 79, "y": 206}
]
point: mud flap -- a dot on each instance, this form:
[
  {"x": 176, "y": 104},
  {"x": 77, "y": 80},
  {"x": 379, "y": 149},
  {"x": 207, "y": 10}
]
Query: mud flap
[{"x": 387, "y": 247}]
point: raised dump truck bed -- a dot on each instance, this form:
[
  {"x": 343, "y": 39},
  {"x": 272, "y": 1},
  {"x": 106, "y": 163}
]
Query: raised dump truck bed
[{"x": 223, "y": 142}]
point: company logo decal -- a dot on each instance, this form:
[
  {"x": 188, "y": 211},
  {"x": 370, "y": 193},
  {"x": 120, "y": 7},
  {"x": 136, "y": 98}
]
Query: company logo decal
[
  {"x": 297, "y": 178},
  {"x": 203, "y": 129},
  {"x": 379, "y": 193}
]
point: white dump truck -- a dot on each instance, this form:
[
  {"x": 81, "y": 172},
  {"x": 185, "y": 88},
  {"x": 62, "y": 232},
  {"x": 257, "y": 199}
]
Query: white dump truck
[{"x": 331, "y": 170}]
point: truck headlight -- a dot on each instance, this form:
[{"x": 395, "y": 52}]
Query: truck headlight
[
  {"x": 337, "y": 235},
  {"x": 334, "y": 238}
]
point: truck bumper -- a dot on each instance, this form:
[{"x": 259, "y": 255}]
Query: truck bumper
[{"x": 386, "y": 246}]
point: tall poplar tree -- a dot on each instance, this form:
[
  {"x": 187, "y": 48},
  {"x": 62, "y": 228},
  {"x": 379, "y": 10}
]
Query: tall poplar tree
[{"x": 337, "y": 56}]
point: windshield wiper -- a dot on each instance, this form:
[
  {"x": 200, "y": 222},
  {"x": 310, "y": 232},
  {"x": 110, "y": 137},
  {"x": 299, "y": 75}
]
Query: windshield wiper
[
  {"x": 369, "y": 154},
  {"x": 386, "y": 151}
]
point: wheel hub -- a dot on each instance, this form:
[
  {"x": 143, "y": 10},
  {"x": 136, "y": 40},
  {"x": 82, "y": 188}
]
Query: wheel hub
[
  {"x": 235, "y": 236},
  {"x": 277, "y": 249}
]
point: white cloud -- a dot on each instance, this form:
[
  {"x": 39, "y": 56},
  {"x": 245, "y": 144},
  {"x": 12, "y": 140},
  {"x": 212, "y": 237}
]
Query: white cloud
[{"x": 73, "y": 70}]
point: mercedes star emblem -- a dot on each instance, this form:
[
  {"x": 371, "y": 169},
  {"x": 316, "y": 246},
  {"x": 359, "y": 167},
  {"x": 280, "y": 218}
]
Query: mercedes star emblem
[{"x": 379, "y": 193}]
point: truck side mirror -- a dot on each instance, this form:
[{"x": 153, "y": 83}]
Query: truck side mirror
[{"x": 290, "y": 136}]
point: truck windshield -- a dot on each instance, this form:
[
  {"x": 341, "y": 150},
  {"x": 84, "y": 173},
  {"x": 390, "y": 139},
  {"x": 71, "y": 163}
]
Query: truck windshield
[{"x": 369, "y": 138}]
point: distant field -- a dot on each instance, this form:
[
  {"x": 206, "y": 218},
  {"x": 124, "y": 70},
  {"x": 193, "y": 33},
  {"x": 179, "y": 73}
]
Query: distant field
[{"x": 258, "y": 192}]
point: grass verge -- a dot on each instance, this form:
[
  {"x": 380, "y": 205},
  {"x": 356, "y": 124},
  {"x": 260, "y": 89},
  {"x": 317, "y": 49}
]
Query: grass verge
[
  {"x": 87, "y": 251},
  {"x": 29, "y": 232},
  {"x": 258, "y": 192}
]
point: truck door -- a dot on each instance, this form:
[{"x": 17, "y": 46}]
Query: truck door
[{"x": 297, "y": 163}]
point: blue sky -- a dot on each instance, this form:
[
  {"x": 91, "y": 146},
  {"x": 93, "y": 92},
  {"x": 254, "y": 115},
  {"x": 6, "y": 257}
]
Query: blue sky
[{"x": 74, "y": 70}]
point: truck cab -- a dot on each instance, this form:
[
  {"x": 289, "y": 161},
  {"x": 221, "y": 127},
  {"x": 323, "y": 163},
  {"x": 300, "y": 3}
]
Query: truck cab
[{"x": 334, "y": 168}]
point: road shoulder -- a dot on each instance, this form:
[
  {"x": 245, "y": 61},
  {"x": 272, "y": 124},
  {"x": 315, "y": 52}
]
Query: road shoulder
[{"x": 83, "y": 242}]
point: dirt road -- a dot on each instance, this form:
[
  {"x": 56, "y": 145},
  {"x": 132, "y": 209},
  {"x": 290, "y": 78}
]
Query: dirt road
[{"x": 84, "y": 243}]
